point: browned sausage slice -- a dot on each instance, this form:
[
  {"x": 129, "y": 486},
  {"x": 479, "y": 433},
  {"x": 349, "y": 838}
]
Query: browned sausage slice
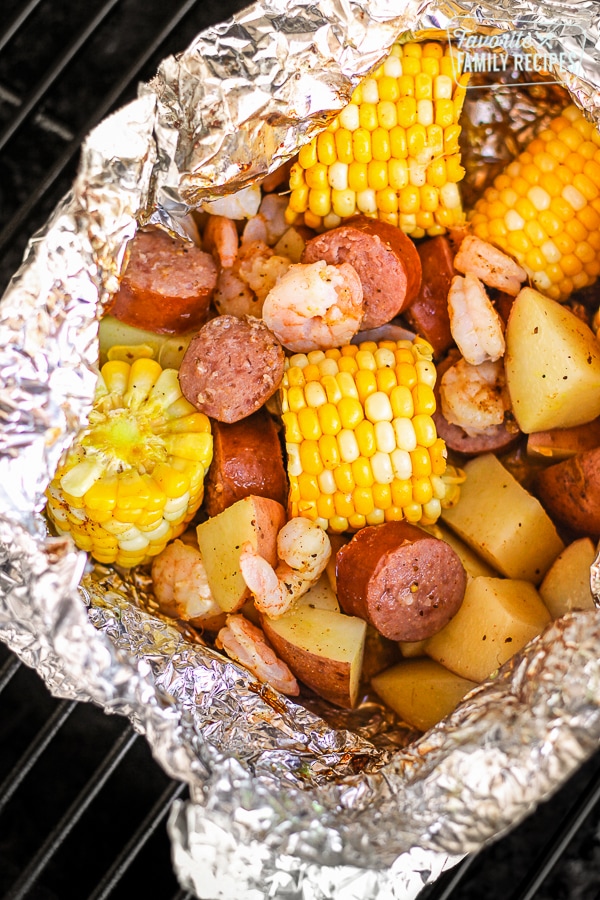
[
  {"x": 428, "y": 313},
  {"x": 570, "y": 492},
  {"x": 407, "y": 584},
  {"x": 247, "y": 459},
  {"x": 231, "y": 367},
  {"x": 386, "y": 260},
  {"x": 167, "y": 285}
]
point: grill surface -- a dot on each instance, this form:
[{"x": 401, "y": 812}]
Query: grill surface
[{"x": 82, "y": 803}]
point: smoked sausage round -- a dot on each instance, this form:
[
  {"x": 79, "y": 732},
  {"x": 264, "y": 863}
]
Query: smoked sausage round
[
  {"x": 231, "y": 367},
  {"x": 386, "y": 260},
  {"x": 407, "y": 584},
  {"x": 167, "y": 285}
]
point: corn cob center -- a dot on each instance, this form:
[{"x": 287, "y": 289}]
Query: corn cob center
[{"x": 135, "y": 475}]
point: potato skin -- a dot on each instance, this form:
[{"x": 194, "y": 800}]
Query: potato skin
[{"x": 570, "y": 492}]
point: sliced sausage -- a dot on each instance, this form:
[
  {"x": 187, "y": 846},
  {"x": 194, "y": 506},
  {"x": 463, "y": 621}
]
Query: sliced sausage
[
  {"x": 167, "y": 285},
  {"x": 231, "y": 367},
  {"x": 407, "y": 584},
  {"x": 428, "y": 312},
  {"x": 247, "y": 459},
  {"x": 386, "y": 260},
  {"x": 496, "y": 439}
]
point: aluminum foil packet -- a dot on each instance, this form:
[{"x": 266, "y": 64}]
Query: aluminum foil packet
[{"x": 287, "y": 800}]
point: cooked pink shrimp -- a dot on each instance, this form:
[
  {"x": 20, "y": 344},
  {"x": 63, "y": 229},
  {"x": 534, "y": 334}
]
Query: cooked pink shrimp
[
  {"x": 474, "y": 397},
  {"x": 246, "y": 644},
  {"x": 241, "y": 289},
  {"x": 475, "y": 325},
  {"x": 490, "y": 265},
  {"x": 269, "y": 223},
  {"x": 315, "y": 306},
  {"x": 303, "y": 549},
  {"x": 181, "y": 585},
  {"x": 220, "y": 235}
]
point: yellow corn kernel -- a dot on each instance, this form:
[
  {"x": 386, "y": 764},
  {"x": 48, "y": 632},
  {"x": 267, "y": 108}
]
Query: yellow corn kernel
[
  {"x": 316, "y": 176},
  {"x": 382, "y": 495},
  {"x": 409, "y": 199},
  {"x": 326, "y": 150},
  {"x": 366, "y": 383},
  {"x": 298, "y": 201},
  {"x": 377, "y": 175},
  {"x": 361, "y": 145},
  {"x": 310, "y": 458},
  {"x": 406, "y": 112},
  {"x": 344, "y": 478},
  {"x": 367, "y": 113},
  {"x": 308, "y": 423},
  {"x": 362, "y": 499},
  {"x": 389, "y": 90},
  {"x": 362, "y": 472},
  {"x": 343, "y": 202},
  {"x": 307, "y": 156},
  {"x": 308, "y": 486},
  {"x": 365, "y": 438}
]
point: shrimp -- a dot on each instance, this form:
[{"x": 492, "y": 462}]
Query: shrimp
[
  {"x": 475, "y": 325},
  {"x": 245, "y": 643},
  {"x": 490, "y": 265},
  {"x": 315, "y": 306},
  {"x": 303, "y": 549},
  {"x": 474, "y": 397},
  {"x": 242, "y": 205},
  {"x": 269, "y": 224},
  {"x": 181, "y": 585},
  {"x": 241, "y": 289},
  {"x": 220, "y": 236}
]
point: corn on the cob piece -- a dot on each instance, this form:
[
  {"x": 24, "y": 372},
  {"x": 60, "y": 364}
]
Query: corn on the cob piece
[
  {"x": 135, "y": 476},
  {"x": 361, "y": 443},
  {"x": 393, "y": 152},
  {"x": 544, "y": 209}
]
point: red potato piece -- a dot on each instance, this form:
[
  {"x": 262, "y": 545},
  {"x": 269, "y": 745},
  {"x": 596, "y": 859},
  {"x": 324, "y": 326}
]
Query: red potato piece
[
  {"x": 231, "y": 368},
  {"x": 403, "y": 582},
  {"x": 386, "y": 260},
  {"x": 560, "y": 443},
  {"x": 496, "y": 440},
  {"x": 570, "y": 492},
  {"x": 167, "y": 286},
  {"x": 247, "y": 459},
  {"x": 428, "y": 312}
]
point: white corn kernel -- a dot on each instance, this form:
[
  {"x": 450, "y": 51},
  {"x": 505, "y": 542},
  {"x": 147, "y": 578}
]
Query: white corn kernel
[
  {"x": 425, "y": 112},
  {"x": 392, "y": 67},
  {"x": 551, "y": 251},
  {"x": 406, "y": 438},
  {"x": 337, "y": 175},
  {"x": 513, "y": 221},
  {"x": 350, "y": 117},
  {"x": 367, "y": 200},
  {"x": 326, "y": 482},
  {"x": 381, "y": 465},
  {"x": 385, "y": 438},
  {"x": 402, "y": 464},
  {"x": 293, "y": 459},
  {"x": 348, "y": 445},
  {"x": 370, "y": 91},
  {"x": 574, "y": 197},
  {"x": 442, "y": 87},
  {"x": 540, "y": 198},
  {"x": 450, "y": 196},
  {"x": 378, "y": 407},
  {"x": 384, "y": 357}
]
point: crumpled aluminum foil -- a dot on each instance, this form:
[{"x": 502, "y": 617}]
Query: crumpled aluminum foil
[{"x": 283, "y": 803}]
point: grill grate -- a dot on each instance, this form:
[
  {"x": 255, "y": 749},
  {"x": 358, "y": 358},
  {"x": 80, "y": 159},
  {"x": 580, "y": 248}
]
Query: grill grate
[{"x": 82, "y": 803}]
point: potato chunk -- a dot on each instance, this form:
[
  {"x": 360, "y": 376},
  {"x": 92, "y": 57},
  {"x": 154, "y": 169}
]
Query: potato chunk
[
  {"x": 552, "y": 365},
  {"x": 323, "y": 648},
  {"x": 503, "y": 523},
  {"x": 254, "y": 519},
  {"x": 567, "y": 582},
  {"x": 498, "y": 617},
  {"x": 421, "y": 691}
]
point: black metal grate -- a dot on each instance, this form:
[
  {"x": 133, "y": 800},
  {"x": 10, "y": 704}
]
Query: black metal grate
[{"x": 82, "y": 803}]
